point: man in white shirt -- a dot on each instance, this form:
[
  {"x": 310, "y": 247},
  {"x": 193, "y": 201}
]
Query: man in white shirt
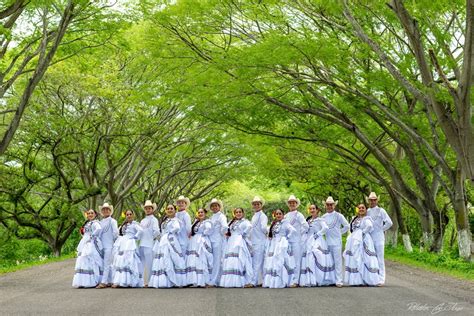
[
  {"x": 219, "y": 228},
  {"x": 382, "y": 222},
  {"x": 334, "y": 234},
  {"x": 151, "y": 230},
  {"x": 184, "y": 221},
  {"x": 258, "y": 238},
  {"x": 108, "y": 235},
  {"x": 298, "y": 221}
]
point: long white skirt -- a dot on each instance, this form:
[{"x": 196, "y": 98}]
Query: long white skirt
[
  {"x": 88, "y": 269},
  {"x": 169, "y": 265},
  {"x": 127, "y": 264},
  {"x": 279, "y": 265},
  {"x": 361, "y": 264},
  {"x": 199, "y": 261},
  {"x": 237, "y": 270},
  {"x": 317, "y": 265}
]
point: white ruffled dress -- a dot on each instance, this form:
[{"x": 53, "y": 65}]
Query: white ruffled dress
[
  {"x": 169, "y": 265},
  {"x": 90, "y": 256},
  {"x": 237, "y": 270},
  {"x": 199, "y": 255},
  {"x": 279, "y": 265},
  {"x": 317, "y": 265},
  {"x": 127, "y": 264},
  {"x": 361, "y": 265}
]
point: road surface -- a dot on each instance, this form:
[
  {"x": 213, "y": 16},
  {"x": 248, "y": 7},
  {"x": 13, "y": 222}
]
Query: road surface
[{"x": 46, "y": 290}]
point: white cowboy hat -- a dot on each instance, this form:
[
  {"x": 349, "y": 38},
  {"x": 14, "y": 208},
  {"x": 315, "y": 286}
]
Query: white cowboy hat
[
  {"x": 149, "y": 203},
  {"x": 107, "y": 205},
  {"x": 373, "y": 196},
  {"x": 294, "y": 198},
  {"x": 215, "y": 201},
  {"x": 330, "y": 200},
  {"x": 183, "y": 198},
  {"x": 258, "y": 199}
]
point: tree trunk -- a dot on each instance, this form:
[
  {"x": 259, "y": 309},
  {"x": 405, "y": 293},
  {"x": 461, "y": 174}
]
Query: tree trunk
[
  {"x": 407, "y": 242},
  {"x": 56, "y": 248},
  {"x": 426, "y": 237},
  {"x": 440, "y": 221},
  {"x": 391, "y": 236},
  {"x": 397, "y": 212},
  {"x": 461, "y": 217}
]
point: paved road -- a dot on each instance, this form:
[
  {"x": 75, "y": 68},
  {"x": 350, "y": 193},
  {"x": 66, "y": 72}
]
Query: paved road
[{"x": 46, "y": 290}]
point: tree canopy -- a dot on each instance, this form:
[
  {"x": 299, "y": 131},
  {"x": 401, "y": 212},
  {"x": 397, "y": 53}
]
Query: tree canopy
[{"x": 219, "y": 97}]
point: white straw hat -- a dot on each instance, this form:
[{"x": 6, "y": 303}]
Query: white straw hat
[
  {"x": 373, "y": 196},
  {"x": 258, "y": 199},
  {"x": 107, "y": 205},
  {"x": 294, "y": 198},
  {"x": 185, "y": 199},
  {"x": 149, "y": 203},
  {"x": 330, "y": 200},
  {"x": 215, "y": 201}
]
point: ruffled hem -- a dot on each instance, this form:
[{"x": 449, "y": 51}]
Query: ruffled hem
[
  {"x": 169, "y": 266},
  {"x": 279, "y": 266},
  {"x": 127, "y": 267},
  {"x": 317, "y": 265},
  {"x": 361, "y": 264},
  {"x": 87, "y": 272},
  {"x": 237, "y": 270}
]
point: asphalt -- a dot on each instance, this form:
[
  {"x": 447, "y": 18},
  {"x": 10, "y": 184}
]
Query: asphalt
[{"x": 46, "y": 290}]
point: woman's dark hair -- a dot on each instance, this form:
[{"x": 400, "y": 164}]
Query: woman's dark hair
[
  {"x": 124, "y": 222},
  {"x": 196, "y": 221},
  {"x": 163, "y": 219},
  {"x": 270, "y": 231},
  {"x": 352, "y": 221}
]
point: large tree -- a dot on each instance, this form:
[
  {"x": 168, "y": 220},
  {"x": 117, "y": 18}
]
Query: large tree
[
  {"x": 35, "y": 35},
  {"x": 304, "y": 60}
]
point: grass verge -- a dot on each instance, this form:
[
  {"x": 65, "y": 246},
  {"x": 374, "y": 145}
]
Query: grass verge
[
  {"x": 444, "y": 263},
  {"x": 6, "y": 268}
]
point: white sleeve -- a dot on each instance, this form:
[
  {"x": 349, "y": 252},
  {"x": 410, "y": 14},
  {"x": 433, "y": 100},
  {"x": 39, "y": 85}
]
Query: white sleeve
[
  {"x": 344, "y": 223},
  {"x": 246, "y": 228},
  {"x": 368, "y": 226},
  {"x": 263, "y": 225},
  {"x": 187, "y": 224},
  {"x": 155, "y": 228},
  {"x": 304, "y": 224},
  {"x": 115, "y": 231},
  {"x": 223, "y": 222},
  {"x": 96, "y": 229},
  {"x": 139, "y": 233},
  {"x": 174, "y": 227},
  {"x": 290, "y": 231},
  {"x": 387, "y": 222},
  {"x": 207, "y": 228},
  {"x": 324, "y": 228}
]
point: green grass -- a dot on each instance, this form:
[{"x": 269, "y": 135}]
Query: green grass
[
  {"x": 444, "y": 263},
  {"x": 6, "y": 268}
]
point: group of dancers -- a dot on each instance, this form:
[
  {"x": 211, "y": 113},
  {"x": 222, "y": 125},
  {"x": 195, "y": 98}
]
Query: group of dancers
[{"x": 211, "y": 252}]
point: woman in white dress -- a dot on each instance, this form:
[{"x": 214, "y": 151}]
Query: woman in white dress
[
  {"x": 361, "y": 264},
  {"x": 317, "y": 265},
  {"x": 90, "y": 256},
  {"x": 237, "y": 269},
  {"x": 199, "y": 253},
  {"x": 279, "y": 266},
  {"x": 127, "y": 264},
  {"x": 169, "y": 265}
]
